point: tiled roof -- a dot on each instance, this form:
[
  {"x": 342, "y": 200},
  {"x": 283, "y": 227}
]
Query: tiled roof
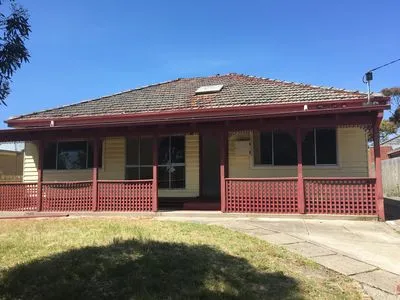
[{"x": 238, "y": 90}]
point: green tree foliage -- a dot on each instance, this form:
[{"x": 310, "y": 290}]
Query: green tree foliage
[
  {"x": 387, "y": 128},
  {"x": 394, "y": 93},
  {"x": 14, "y": 31},
  {"x": 391, "y": 125}
]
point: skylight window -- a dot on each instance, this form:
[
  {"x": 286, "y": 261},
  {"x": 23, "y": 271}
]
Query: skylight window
[{"x": 209, "y": 89}]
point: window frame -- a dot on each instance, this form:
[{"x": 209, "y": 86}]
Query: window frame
[
  {"x": 159, "y": 165},
  {"x": 138, "y": 157},
  {"x": 87, "y": 155},
  {"x": 173, "y": 164},
  {"x": 315, "y": 165}
]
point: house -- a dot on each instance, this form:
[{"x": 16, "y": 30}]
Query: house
[
  {"x": 394, "y": 153},
  {"x": 389, "y": 148},
  {"x": 235, "y": 143},
  {"x": 11, "y": 159},
  {"x": 393, "y": 146}
]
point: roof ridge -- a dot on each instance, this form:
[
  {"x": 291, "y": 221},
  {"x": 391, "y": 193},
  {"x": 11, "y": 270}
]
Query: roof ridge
[
  {"x": 209, "y": 76},
  {"x": 94, "y": 99},
  {"x": 301, "y": 84}
]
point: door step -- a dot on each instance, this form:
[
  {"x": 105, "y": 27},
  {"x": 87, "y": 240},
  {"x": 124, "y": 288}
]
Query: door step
[{"x": 198, "y": 205}]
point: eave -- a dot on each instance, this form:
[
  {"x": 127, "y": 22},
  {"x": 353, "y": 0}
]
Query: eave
[{"x": 204, "y": 114}]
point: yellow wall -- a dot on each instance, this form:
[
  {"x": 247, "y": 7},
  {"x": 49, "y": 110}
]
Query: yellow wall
[
  {"x": 352, "y": 162},
  {"x": 30, "y": 162},
  {"x": 113, "y": 159},
  {"x": 352, "y": 158},
  {"x": 10, "y": 163},
  {"x": 114, "y": 166}
]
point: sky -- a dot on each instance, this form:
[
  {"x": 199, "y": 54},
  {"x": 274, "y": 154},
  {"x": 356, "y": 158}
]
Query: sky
[{"x": 86, "y": 49}]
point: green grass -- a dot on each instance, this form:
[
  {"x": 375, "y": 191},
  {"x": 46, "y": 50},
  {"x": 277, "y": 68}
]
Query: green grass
[{"x": 118, "y": 258}]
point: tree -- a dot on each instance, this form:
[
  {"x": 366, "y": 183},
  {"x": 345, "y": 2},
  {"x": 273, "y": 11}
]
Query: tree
[
  {"x": 14, "y": 31},
  {"x": 386, "y": 129},
  {"x": 391, "y": 125},
  {"x": 394, "y": 94}
]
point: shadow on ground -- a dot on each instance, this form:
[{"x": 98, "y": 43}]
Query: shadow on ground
[
  {"x": 392, "y": 209},
  {"x": 136, "y": 269}
]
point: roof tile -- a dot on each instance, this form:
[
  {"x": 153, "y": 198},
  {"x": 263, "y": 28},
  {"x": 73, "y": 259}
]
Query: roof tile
[{"x": 239, "y": 90}]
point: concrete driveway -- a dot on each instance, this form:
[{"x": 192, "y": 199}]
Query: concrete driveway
[
  {"x": 372, "y": 242},
  {"x": 367, "y": 251}
]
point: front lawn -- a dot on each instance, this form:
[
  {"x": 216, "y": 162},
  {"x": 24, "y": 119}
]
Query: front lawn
[{"x": 120, "y": 258}]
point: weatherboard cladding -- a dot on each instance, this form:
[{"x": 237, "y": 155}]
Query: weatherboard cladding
[{"x": 238, "y": 90}]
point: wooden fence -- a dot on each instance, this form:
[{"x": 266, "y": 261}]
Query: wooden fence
[{"x": 391, "y": 177}]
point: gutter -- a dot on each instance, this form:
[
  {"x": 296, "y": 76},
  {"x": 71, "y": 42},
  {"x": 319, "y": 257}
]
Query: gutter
[{"x": 205, "y": 114}]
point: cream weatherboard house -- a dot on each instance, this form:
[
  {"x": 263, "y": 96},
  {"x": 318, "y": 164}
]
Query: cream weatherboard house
[{"x": 232, "y": 142}]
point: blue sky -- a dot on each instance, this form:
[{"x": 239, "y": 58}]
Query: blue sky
[{"x": 86, "y": 49}]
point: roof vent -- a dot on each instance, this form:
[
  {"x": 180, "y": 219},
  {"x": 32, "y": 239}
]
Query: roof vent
[{"x": 208, "y": 89}]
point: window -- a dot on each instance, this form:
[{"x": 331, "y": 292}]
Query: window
[
  {"x": 285, "y": 148},
  {"x": 319, "y": 147},
  {"x": 139, "y": 158},
  {"x": 208, "y": 89},
  {"x": 308, "y": 148},
  {"x": 69, "y": 155},
  {"x": 325, "y": 145},
  {"x": 279, "y": 148},
  {"x": 171, "y": 160},
  {"x": 275, "y": 148}
]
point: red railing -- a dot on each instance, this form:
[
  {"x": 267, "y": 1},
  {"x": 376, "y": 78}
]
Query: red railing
[
  {"x": 350, "y": 196},
  {"x": 67, "y": 196},
  {"x": 18, "y": 196},
  {"x": 125, "y": 195},
  {"x": 261, "y": 195}
]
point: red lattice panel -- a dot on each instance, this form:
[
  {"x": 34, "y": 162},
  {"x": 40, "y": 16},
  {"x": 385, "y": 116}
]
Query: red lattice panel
[
  {"x": 348, "y": 196},
  {"x": 67, "y": 196},
  {"x": 261, "y": 195},
  {"x": 18, "y": 197},
  {"x": 125, "y": 195}
]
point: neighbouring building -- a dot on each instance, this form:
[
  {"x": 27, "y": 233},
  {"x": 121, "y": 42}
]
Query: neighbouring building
[
  {"x": 389, "y": 149},
  {"x": 11, "y": 161}
]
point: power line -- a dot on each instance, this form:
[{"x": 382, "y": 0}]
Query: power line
[
  {"x": 389, "y": 63},
  {"x": 367, "y": 78}
]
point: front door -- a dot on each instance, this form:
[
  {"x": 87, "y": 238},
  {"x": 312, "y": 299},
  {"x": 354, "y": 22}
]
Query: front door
[{"x": 209, "y": 160}]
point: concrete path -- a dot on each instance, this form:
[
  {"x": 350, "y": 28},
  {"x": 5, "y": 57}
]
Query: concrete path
[{"x": 368, "y": 252}]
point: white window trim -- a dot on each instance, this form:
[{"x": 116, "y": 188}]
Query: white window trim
[{"x": 315, "y": 166}]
